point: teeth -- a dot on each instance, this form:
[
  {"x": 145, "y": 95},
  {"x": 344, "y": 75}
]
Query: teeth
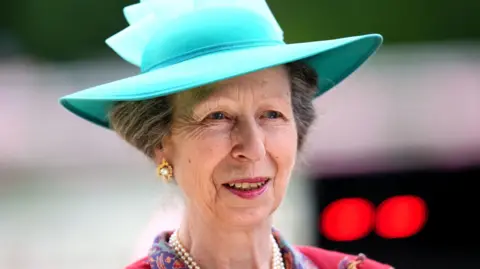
[{"x": 246, "y": 186}]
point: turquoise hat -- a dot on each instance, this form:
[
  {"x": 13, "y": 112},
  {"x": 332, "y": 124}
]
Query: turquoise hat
[{"x": 183, "y": 44}]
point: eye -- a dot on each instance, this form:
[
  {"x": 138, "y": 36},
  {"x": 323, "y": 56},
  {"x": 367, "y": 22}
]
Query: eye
[
  {"x": 272, "y": 114},
  {"x": 217, "y": 116}
]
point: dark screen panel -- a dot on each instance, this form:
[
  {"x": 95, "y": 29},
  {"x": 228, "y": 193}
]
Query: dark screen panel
[{"x": 450, "y": 236}]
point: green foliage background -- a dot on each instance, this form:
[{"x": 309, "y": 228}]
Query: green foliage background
[{"x": 73, "y": 29}]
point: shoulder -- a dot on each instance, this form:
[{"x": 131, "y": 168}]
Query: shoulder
[
  {"x": 140, "y": 264},
  {"x": 327, "y": 259}
]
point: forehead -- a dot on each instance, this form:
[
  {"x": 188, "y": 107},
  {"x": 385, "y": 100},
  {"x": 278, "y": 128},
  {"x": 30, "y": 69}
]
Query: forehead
[{"x": 268, "y": 83}]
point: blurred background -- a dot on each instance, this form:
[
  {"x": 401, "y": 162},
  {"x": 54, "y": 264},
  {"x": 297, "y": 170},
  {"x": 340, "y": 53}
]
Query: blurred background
[{"x": 389, "y": 168}]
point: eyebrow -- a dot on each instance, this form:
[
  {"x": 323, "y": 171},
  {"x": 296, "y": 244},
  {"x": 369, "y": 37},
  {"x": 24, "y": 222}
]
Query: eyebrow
[
  {"x": 188, "y": 100},
  {"x": 202, "y": 93},
  {"x": 200, "y": 97}
]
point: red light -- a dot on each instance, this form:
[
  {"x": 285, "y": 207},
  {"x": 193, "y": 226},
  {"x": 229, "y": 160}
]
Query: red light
[
  {"x": 347, "y": 219},
  {"x": 401, "y": 216}
]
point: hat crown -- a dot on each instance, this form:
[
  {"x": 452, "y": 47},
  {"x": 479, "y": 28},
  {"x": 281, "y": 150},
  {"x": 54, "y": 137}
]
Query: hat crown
[
  {"x": 162, "y": 29},
  {"x": 207, "y": 31}
]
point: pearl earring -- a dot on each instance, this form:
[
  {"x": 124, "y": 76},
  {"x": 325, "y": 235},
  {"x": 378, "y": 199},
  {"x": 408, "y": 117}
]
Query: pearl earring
[{"x": 165, "y": 171}]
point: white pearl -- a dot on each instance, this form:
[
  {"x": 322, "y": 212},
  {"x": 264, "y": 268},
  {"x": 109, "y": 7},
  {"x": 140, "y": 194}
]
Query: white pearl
[{"x": 277, "y": 260}]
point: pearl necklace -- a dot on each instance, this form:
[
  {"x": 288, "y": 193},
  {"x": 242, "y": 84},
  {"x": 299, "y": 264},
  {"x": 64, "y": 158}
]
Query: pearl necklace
[{"x": 277, "y": 259}]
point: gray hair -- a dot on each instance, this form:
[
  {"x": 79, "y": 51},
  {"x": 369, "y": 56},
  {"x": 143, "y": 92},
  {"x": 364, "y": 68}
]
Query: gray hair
[{"x": 144, "y": 124}]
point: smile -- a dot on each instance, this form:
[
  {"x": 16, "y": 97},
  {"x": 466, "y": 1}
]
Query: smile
[
  {"x": 246, "y": 185},
  {"x": 248, "y": 188}
]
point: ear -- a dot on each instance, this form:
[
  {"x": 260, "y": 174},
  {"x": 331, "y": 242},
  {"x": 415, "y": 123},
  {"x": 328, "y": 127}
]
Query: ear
[{"x": 165, "y": 151}]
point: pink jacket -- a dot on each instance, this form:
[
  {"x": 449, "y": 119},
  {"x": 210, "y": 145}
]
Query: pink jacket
[{"x": 324, "y": 259}]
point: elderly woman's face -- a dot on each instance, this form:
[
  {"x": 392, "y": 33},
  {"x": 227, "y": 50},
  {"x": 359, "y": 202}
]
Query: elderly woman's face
[{"x": 233, "y": 146}]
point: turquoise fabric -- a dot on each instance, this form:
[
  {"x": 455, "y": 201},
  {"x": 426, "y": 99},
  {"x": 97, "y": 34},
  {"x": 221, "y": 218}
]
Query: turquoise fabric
[{"x": 205, "y": 43}]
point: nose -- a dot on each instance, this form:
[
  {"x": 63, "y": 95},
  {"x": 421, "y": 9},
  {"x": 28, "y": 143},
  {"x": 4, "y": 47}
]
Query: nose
[{"x": 248, "y": 141}]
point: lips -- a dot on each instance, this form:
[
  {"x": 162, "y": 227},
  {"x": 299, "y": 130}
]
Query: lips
[
  {"x": 247, "y": 184},
  {"x": 248, "y": 188}
]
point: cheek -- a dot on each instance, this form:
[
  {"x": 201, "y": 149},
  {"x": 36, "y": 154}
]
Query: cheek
[
  {"x": 193, "y": 170},
  {"x": 282, "y": 147},
  {"x": 281, "y": 143}
]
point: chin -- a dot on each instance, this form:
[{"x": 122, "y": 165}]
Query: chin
[{"x": 247, "y": 217}]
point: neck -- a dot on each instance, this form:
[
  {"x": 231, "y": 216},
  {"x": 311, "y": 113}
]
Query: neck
[{"x": 217, "y": 246}]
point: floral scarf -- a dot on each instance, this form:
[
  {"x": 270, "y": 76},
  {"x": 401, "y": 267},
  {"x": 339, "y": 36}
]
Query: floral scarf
[{"x": 162, "y": 256}]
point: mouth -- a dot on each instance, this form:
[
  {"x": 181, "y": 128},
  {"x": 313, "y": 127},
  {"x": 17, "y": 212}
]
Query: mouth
[
  {"x": 247, "y": 184},
  {"x": 248, "y": 188}
]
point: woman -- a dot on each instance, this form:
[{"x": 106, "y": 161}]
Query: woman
[{"x": 222, "y": 106}]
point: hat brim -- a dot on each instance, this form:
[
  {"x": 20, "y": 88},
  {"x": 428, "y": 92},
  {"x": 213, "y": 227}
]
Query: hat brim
[{"x": 333, "y": 60}]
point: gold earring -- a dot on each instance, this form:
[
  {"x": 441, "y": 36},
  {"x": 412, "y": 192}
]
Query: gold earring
[{"x": 165, "y": 171}]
